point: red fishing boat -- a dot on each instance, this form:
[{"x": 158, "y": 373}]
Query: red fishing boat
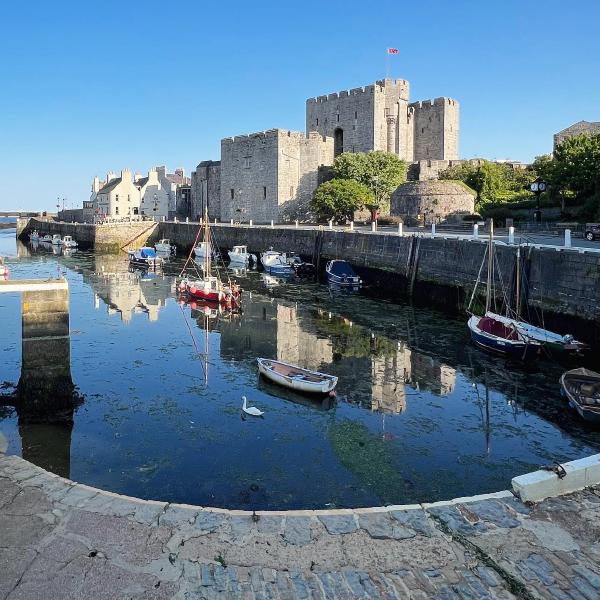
[{"x": 208, "y": 287}]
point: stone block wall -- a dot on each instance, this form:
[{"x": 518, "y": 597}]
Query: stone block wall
[
  {"x": 271, "y": 175},
  {"x": 206, "y": 190},
  {"x": 432, "y": 201},
  {"x": 249, "y": 183}
]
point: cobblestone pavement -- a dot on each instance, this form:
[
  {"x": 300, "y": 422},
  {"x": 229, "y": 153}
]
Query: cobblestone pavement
[{"x": 59, "y": 539}]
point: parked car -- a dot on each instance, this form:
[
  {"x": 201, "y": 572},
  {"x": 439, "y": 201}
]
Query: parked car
[{"x": 592, "y": 231}]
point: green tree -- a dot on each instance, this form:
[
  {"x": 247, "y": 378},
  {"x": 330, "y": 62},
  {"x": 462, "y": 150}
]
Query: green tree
[
  {"x": 381, "y": 172},
  {"x": 493, "y": 182},
  {"x": 338, "y": 199},
  {"x": 577, "y": 165}
]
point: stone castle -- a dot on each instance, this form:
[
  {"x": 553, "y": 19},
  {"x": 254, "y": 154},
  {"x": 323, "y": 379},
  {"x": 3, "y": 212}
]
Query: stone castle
[{"x": 271, "y": 175}]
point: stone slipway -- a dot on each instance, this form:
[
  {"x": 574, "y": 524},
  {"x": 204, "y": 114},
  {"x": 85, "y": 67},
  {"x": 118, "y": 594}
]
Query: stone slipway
[{"x": 60, "y": 539}]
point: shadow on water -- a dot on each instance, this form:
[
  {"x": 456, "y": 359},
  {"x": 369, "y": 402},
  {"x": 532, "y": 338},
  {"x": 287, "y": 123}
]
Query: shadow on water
[{"x": 420, "y": 414}]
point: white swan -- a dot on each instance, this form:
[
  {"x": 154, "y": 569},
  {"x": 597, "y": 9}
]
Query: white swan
[{"x": 251, "y": 410}]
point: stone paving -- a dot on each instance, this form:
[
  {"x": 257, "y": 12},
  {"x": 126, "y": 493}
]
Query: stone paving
[{"x": 59, "y": 539}]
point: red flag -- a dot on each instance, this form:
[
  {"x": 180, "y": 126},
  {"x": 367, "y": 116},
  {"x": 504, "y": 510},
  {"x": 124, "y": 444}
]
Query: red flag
[{"x": 393, "y": 51}]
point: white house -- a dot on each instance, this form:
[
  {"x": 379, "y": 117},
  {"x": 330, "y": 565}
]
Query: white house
[
  {"x": 118, "y": 197},
  {"x": 154, "y": 195}
]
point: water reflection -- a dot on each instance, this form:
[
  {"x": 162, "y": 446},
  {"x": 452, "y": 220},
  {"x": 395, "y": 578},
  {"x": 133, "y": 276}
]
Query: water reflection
[
  {"x": 127, "y": 291},
  {"x": 420, "y": 414}
]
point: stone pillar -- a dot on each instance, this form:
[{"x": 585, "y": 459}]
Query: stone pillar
[
  {"x": 391, "y": 134},
  {"x": 45, "y": 390}
]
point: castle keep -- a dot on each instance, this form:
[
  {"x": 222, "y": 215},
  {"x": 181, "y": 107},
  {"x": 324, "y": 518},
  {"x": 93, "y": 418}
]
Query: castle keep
[
  {"x": 380, "y": 117},
  {"x": 272, "y": 175}
]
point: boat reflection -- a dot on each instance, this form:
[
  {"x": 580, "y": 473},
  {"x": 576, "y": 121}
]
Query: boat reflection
[{"x": 319, "y": 402}]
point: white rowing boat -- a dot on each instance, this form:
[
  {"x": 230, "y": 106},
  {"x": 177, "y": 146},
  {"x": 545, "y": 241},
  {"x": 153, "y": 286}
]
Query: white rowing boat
[{"x": 295, "y": 377}]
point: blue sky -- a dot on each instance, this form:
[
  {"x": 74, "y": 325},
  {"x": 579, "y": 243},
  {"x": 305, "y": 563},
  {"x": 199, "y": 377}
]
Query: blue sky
[{"x": 88, "y": 87}]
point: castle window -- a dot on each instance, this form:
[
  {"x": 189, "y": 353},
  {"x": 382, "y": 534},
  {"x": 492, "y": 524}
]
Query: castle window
[
  {"x": 338, "y": 117},
  {"x": 246, "y": 162},
  {"x": 355, "y": 114},
  {"x": 422, "y": 129},
  {"x": 264, "y": 192},
  {"x": 317, "y": 121},
  {"x": 232, "y": 193}
]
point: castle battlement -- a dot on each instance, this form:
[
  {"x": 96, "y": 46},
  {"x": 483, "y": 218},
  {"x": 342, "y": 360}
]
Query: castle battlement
[
  {"x": 434, "y": 102},
  {"x": 367, "y": 89},
  {"x": 268, "y": 134}
]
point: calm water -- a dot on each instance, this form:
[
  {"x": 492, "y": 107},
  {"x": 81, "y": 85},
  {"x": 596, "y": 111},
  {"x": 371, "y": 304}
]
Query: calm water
[{"x": 420, "y": 415}]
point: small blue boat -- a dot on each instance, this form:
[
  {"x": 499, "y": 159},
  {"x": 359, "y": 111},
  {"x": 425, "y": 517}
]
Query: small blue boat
[
  {"x": 493, "y": 335},
  {"x": 341, "y": 273},
  {"x": 145, "y": 257}
]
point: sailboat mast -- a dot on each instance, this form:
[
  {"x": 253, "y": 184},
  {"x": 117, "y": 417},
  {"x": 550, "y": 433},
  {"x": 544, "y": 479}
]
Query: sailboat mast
[
  {"x": 518, "y": 286},
  {"x": 488, "y": 296},
  {"x": 207, "y": 245}
]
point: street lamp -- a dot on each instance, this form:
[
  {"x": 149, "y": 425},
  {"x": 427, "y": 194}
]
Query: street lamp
[{"x": 538, "y": 187}]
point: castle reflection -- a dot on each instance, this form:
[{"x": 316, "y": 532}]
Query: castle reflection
[{"x": 319, "y": 340}]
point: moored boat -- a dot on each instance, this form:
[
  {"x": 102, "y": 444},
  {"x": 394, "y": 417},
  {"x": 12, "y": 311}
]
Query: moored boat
[
  {"x": 208, "y": 287},
  {"x": 47, "y": 239},
  {"x": 488, "y": 331},
  {"x": 491, "y": 334},
  {"x": 582, "y": 388},
  {"x": 56, "y": 240},
  {"x": 341, "y": 273},
  {"x": 164, "y": 246},
  {"x": 555, "y": 342},
  {"x": 275, "y": 263},
  {"x": 296, "y": 378},
  {"x": 144, "y": 257},
  {"x": 239, "y": 255},
  {"x": 68, "y": 242},
  {"x": 201, "y": 251}
]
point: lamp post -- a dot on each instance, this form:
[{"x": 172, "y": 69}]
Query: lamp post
[{"x": 538, "y": 187}]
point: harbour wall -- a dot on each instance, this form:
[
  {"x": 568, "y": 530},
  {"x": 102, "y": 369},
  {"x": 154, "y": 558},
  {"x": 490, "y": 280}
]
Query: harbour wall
[
  {"x": 110, "y": 237},
  {"x": 442, "y": 270}
]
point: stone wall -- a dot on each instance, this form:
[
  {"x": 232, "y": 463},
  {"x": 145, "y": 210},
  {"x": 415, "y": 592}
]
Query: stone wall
[
  {"x": 206, "y": 189},
  {"x": 432, "y": 201},
  {"x": 102, "y": 237},
  {"x": 271, "y": 175},
  {"x": 435, "y": 124}
]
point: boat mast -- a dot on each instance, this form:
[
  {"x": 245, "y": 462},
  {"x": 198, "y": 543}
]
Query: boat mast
[
  {"x": 488, "y": 296},
  {"x": 207, "y": 245},
  {"x": 518, "y": 286}
]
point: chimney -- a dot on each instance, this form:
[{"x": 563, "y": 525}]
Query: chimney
[{"x": 126, "y": 174}]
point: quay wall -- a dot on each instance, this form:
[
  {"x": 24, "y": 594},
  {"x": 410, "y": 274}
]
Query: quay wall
[
  {"x": 564, "y": 283},
  {"x": 110, "y": 237}
]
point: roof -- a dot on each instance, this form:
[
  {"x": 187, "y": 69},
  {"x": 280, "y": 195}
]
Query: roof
[
  {"x": 177, "y": 179},
  {"x": 111, "y": 185},
  {"x": 581, "y": 125},
  {"x": 142, "y": 181}
]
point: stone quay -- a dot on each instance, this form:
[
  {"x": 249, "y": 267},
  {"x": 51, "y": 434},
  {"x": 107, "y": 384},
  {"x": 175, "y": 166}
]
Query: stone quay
[
  {"x": 563, "y": 285},
  {"x": 61, "y": 539}
]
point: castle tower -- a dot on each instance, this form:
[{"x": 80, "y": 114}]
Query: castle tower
[
  {"x": 379, "y": 117},
  {"x": 374, "y": 117}
]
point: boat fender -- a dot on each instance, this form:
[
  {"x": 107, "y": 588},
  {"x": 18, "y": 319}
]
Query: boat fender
[{"x": 332, "y": 394}]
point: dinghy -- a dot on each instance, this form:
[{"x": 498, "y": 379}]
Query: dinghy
[
  {"x": 582, "y": 388},
  {"x": 295, "y": 377}
]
